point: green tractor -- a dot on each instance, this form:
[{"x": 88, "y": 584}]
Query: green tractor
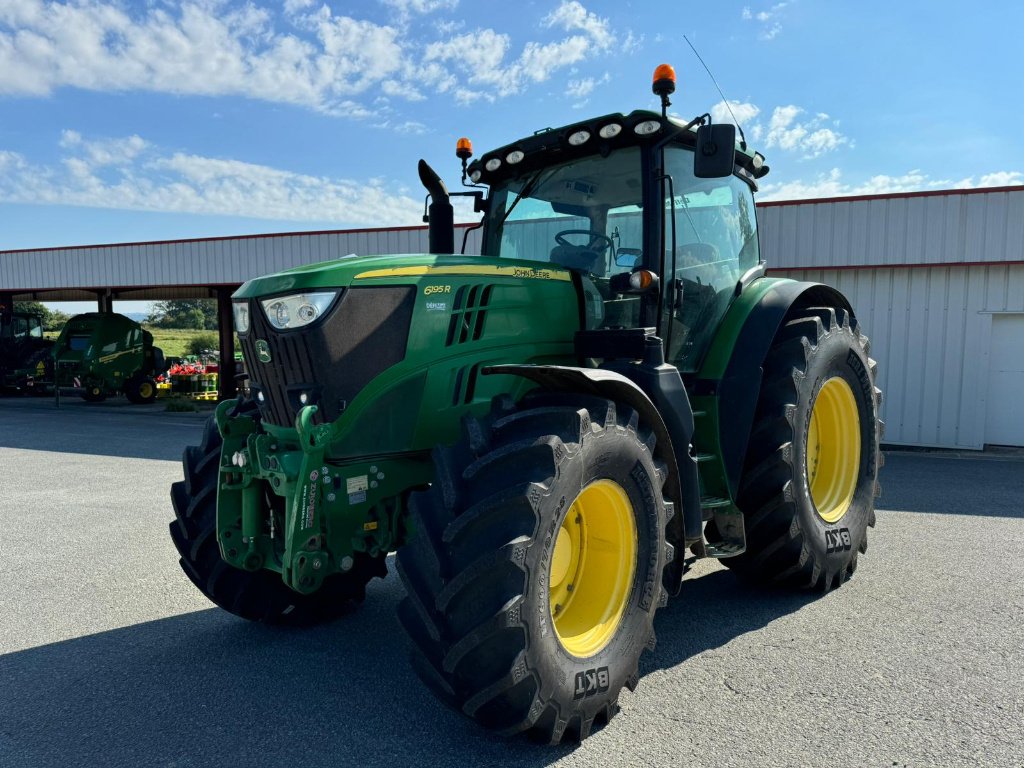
[
  {"x": 101, "y": 354},
  {"x": 26, "y": 364},
  {"x": 543, "y": 431}
]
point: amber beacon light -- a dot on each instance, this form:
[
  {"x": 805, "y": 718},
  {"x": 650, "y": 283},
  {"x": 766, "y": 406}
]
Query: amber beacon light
[
  {"x": 664, "y": 84},
  {"x": 664, "y": 80},
  {"x": 464, "y": 148}
]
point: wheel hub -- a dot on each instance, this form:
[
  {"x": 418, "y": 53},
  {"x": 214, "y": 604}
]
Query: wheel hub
[
  {"x": 592, "y": 568},
  {"x": 833, "y": 449}
]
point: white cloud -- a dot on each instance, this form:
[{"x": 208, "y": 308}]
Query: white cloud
[
  {"x": 581, "y": 89},
  {"x": 571, "y": 15},
  {"x": 294, "y": 6},
  {"x": 481, "y": 56},
  {"x": 831, "y": 184},
  {"x": 407, "y": 8},
  {"x": 744, "y": 112},
  {"x": 768, "y": 21},
  {"x": 132, "y": 174},
  {"x": 812, "y": 138},
  {"x": 310, "y": 56},
  {"x": 785, "y": 130},
  {"x": 997, "y": 179}
]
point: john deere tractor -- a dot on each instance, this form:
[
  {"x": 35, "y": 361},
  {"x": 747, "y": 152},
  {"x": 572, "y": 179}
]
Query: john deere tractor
[
  {"x": 541, "y": 432},
  {"x": 25, "y": 361}
]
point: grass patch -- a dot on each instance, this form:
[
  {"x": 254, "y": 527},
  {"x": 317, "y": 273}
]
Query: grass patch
[{"x": 173, "y": 341}]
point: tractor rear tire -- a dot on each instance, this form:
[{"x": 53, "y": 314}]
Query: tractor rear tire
[
  {"x": 535, "y": 568},
  {"x": 140, "y": 389},
  {"x": 810, "y": 479},
  {"x": 253, "y": 595}
]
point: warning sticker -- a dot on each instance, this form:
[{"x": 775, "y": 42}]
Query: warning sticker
[
  {"x": 357, "y": 498},
  {"x": 356, "y": 484}
]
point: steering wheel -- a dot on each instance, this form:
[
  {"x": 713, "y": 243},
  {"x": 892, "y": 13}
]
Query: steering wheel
[{"x": 596, "y": 239}]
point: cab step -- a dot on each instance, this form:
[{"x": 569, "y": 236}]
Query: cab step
[
  {"x": 721, "y": 550},
  {"x": 714, "y": 502},
  {"x": 729, "y": 525}
]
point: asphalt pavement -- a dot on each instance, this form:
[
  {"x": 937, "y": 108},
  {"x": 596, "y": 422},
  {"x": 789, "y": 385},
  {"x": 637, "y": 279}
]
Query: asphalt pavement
[{"x": 109, "y": 656}]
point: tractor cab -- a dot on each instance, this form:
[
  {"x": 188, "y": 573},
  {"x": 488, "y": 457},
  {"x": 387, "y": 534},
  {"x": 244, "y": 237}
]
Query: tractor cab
[
  {"x": 18, "y": 327},
  {"x": 24, "y": 352},
  {"x": 628, "y": 203}
]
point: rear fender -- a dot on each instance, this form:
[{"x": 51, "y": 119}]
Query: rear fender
[{"x": 733, "y": 371}]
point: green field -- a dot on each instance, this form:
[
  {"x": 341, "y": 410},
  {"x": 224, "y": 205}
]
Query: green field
[{"x": 173, "y": 341}]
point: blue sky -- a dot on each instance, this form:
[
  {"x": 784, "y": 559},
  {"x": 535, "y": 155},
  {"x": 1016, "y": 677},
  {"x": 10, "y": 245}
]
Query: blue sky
[{"x": 123, "y": 121}]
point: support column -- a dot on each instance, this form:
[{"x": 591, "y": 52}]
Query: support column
[
  {"x": 226, "y": 329},
  {"x": 6, "y": 302},
  {"x": 105, "y": 301}
]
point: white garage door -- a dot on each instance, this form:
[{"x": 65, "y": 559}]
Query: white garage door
[{"x": 1005, "y": 406}]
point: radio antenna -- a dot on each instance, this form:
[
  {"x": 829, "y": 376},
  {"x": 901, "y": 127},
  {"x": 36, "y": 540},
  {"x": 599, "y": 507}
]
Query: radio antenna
[{"x": 743, "y": 139}]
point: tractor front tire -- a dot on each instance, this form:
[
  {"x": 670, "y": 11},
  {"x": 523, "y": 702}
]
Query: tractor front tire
[
  {"x": 254, "y": 595},
  {"x": 535, "y": 569},
  {"x": 810, "y": 478}
]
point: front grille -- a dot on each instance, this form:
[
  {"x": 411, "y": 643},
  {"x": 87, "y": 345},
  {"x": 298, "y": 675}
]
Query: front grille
[{"x": 364, "y": 333}]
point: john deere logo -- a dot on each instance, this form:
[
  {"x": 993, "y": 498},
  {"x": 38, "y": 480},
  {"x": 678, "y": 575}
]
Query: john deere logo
[{"x": 262, "y": 351}]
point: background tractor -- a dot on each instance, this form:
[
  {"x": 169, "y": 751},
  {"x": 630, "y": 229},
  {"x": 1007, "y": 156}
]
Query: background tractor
[
  {"x": 542, "y": 431},
  {"x": 99, "y": 354},
  {"x": 26, "y": 364}
]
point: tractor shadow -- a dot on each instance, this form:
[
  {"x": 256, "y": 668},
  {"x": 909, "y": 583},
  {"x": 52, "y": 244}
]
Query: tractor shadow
[
  {"x": 206, "y": 688},
  {"x": 710, "y": 611}
]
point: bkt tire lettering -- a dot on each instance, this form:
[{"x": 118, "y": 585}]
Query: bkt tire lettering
[
  {"x": 591, "y": 682},
  {"x": 837, "y": 540}
]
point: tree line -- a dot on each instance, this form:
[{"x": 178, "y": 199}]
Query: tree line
[{"x": 198, "y": 314}]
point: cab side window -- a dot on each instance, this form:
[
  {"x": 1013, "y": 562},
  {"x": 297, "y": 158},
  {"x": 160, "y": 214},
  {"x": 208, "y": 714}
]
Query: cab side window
[{"x": 715, "y": 243}]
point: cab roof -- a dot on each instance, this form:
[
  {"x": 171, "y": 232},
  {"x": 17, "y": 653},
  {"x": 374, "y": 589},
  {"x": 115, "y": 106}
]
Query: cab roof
[{"x": 552, "y": 145}]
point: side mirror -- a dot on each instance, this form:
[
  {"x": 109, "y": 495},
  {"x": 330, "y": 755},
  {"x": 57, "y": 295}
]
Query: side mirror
[
  {"x": 628, "y": 257},
  {"x": 715, "y": 154}
]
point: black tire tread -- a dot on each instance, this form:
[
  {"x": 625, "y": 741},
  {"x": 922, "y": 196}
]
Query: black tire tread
[
  {"x": 260, "y": 595},
  {"x": 776, "y": 550},
  {"x": 463, "y": 608}
]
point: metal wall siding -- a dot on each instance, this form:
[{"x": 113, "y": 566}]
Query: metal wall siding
[
  {"x": 940, "y": 229},
  {"x": 987, "y": 227},
  {"x": 929, "y": 331}
]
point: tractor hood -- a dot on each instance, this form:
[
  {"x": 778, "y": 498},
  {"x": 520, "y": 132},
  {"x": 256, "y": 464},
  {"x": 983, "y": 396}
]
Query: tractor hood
[
  {"x": 401, "y": 331},
  {"x": 405, "y": 268}
]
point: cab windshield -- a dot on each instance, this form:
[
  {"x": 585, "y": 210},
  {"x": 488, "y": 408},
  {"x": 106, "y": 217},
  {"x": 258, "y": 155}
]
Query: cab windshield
[{"x": 586, "y": 216}]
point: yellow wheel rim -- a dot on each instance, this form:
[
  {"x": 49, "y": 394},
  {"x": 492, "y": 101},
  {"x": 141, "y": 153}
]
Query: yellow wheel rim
[
  {"x": 145, "y": 389},
  {"x": 592, "y": 568},
  {"x": 833, "y": 449}
]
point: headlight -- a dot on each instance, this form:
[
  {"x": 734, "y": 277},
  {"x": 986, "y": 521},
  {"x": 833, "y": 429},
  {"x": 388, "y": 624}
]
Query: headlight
[
  {"x": 241, "y": 310},
  {"x": 295, "y": 311}
]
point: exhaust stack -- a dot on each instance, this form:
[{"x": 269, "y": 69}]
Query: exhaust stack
[{"x": 440, "y": 214}]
